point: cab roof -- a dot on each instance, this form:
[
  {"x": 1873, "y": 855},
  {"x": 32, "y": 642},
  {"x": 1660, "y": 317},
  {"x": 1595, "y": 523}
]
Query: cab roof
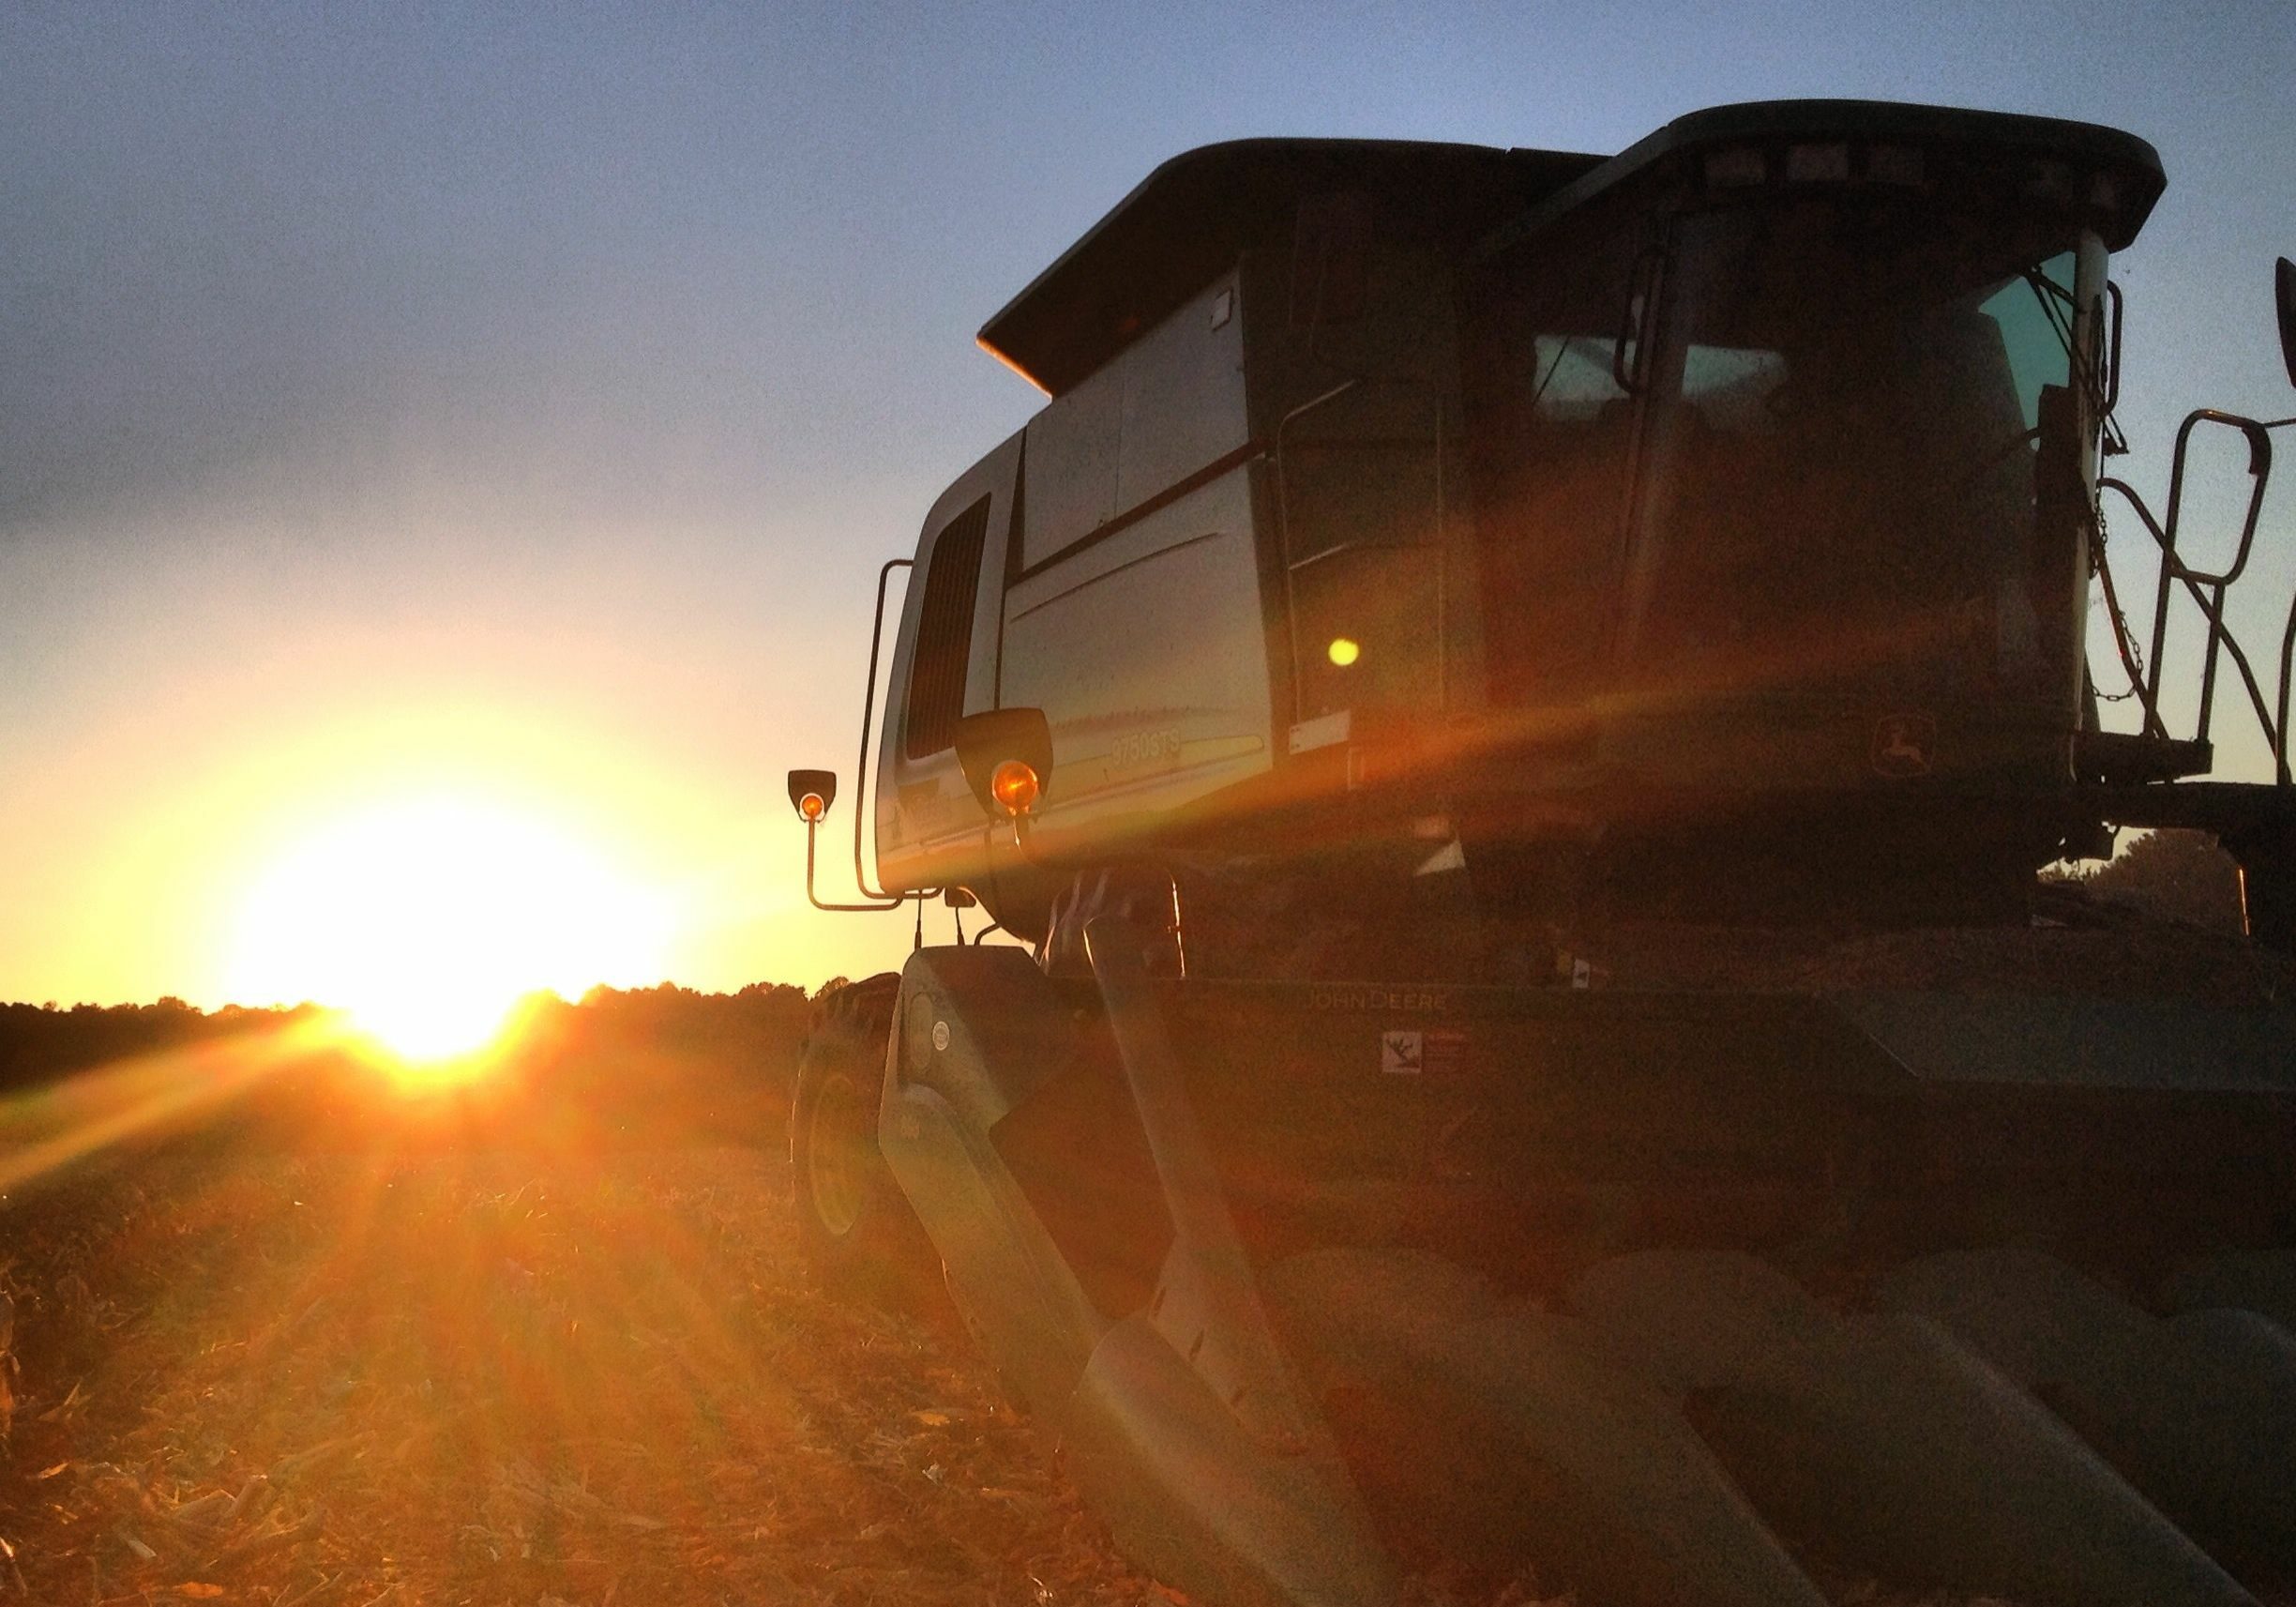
[{"x": 1192, "y": 216}]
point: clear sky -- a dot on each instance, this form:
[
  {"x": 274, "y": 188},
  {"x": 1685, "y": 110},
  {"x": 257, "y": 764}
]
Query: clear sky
[{"x": 513, "y": 404}]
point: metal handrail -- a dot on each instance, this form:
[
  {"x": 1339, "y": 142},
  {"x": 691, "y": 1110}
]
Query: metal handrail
[
  {"x": 2207, "y": 589},
  {"x": 879, "y": 900},
  {"x": 868, "y": 713}
]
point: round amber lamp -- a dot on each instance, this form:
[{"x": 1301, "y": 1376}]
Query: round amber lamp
[{"x": 1015, "y": 786}]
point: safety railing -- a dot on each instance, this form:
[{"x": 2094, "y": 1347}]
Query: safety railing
[{"x": 2207, "y": 589}]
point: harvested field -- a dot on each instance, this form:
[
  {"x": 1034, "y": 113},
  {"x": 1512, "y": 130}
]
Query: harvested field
[
  {"x": 501, "y": 1377},
  {"x": 493, "y": 1377}
]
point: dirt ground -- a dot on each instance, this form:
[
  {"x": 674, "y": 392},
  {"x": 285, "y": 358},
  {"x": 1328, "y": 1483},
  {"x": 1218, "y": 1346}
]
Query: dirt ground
[{"x": 457, "y": 1377}]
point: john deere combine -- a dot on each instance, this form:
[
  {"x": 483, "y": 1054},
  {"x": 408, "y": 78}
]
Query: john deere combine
[{"x": 1519, "y": 701}]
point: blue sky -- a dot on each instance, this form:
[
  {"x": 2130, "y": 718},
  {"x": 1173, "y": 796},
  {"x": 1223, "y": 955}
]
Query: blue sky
[{"x": 537, "y": 388}]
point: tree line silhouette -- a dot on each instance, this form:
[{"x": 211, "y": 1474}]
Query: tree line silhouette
[{"x": 619, "y": 1067}]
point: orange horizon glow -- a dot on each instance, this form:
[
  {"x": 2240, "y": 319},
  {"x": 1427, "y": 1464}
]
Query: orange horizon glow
[{"x": 426, "y": 918}]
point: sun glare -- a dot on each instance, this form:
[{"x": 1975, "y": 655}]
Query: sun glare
[{"x": 428, "y": 919}]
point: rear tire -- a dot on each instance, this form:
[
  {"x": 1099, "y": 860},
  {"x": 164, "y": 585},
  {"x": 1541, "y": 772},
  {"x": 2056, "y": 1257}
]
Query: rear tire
[{"x": 855, "y": 1227}]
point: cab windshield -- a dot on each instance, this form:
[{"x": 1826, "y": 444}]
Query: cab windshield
[{"x": 1844, "y": 407}]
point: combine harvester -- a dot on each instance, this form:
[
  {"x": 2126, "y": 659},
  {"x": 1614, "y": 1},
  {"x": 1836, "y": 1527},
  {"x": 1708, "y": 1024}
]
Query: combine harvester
[{"x": 1519, "y": 701}]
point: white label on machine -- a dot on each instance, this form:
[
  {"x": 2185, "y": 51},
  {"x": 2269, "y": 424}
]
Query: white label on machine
[
  {"x": 1325, "y": 730},
  {"x": 1402, "y": 1053}
]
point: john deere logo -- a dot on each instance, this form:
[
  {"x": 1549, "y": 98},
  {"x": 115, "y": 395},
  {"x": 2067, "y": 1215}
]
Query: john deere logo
[{"x": 1904, "y": 745}]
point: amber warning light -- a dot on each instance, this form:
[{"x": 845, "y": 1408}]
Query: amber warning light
[{"x": 1015, "y": 786}]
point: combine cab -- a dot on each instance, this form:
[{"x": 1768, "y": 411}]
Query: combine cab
[{"x": 1520, "y": 701}]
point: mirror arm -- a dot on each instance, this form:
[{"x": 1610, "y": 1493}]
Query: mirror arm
[{"x": 891, "y": 903}]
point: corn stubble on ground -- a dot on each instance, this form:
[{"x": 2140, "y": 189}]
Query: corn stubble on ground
[
  {"x": 480, "y": 1378},
  {"x": 469, "y": 1378}
]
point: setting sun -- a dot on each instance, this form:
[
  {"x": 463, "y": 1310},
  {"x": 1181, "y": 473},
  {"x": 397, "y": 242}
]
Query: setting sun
[{"x": 427, "y": 918}]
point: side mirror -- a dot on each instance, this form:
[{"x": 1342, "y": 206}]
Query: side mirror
[
  {"x": 811, "y": 793},
  {"x": 2284, "y": 297},
  {"x": 989, "y": 744}
]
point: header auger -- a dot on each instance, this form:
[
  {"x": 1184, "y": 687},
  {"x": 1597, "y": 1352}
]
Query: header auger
[{"x": 1520, "y": 701}]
